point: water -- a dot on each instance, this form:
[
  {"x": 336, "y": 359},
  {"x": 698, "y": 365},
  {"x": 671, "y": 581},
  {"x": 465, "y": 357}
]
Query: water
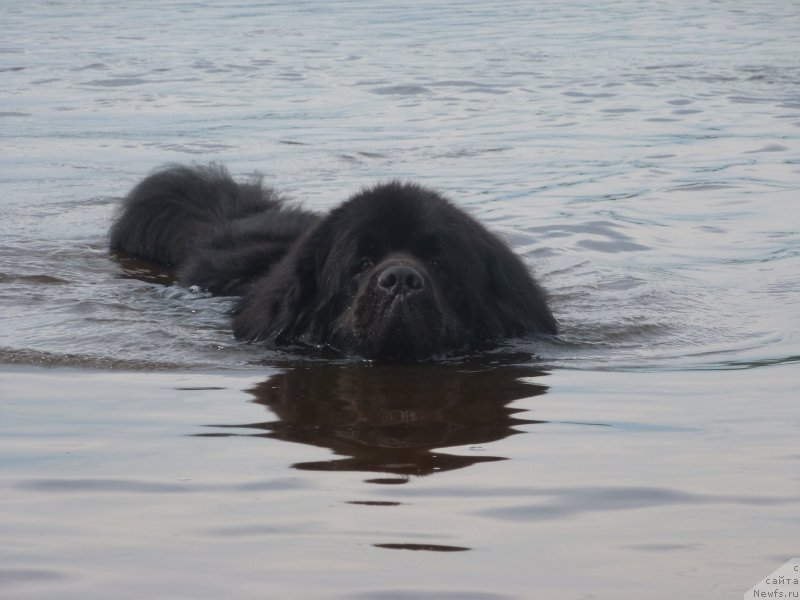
[{"x": 642, "y": 158}]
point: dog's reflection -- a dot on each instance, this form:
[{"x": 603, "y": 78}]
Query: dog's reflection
[{"x": 391, "y": 419}]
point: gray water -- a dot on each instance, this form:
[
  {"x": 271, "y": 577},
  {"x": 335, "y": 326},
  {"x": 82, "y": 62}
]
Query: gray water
[{"x": 642, "y": 157}]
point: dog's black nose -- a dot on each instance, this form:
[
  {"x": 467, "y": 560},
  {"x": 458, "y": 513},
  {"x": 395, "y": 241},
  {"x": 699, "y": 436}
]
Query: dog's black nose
[{"x": 399, "y": 279}]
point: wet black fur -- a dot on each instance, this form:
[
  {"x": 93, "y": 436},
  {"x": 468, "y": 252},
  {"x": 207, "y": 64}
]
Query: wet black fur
[{"x": 395, "y": 272}]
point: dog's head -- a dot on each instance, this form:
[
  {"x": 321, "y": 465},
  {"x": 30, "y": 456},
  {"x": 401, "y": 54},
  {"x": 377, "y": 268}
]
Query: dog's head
[{"x": 396, "y": 272}]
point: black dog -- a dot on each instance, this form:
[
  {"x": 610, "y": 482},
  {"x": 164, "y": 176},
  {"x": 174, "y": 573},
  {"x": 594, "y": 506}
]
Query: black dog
[{"x": 395, "y": 272}]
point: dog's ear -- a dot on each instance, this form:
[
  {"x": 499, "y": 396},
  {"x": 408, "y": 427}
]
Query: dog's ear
[
  {"x": 280, "y": 306},
  {"x": 518, "y": 301}
]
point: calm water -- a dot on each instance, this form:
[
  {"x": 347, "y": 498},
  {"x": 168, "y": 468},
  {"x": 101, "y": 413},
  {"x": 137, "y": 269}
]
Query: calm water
[{"x": 644, "y": 158}]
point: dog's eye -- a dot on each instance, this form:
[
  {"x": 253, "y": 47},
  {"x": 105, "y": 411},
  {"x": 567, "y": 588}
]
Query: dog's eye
[
  {"x": 436, "y": 264},
  {"x": 364, "y": 264}
]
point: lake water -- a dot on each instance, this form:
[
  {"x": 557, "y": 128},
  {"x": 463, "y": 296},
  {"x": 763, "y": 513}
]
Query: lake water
[{"x": 644, "y": 159}]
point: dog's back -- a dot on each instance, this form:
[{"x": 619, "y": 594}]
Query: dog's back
[{"x": 215, "y": 232}]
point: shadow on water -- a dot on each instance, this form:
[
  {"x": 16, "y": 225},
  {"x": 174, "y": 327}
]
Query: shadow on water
[
  {"x": 135, "y": 268},
  {"x": 390, "y": 419}
]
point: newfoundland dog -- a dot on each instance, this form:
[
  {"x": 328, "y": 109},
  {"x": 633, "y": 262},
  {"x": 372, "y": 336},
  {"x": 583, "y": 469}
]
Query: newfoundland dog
[{"x": 396, "y": 272}]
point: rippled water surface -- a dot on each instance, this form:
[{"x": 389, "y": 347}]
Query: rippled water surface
[{"x": 643, "y": 158}]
